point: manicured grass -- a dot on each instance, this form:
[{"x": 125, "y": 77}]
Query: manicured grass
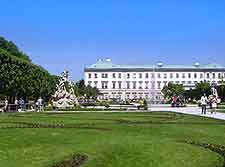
[
  {"x": 153, "y": 139},
  {"x": 221, "y": 108}
]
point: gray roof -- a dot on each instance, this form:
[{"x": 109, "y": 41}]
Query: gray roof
[{"x": 101, "y": 65}]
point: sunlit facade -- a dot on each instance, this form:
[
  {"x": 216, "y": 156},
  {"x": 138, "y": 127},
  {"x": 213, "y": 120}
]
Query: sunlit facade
[{"x": 146, "y": 81}]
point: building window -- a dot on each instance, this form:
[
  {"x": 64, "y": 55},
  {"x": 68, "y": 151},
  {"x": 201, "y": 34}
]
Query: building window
[
  {"x": 195, "y": 75},
  {"x": 120, "y": 84},
  {"x": 189, "y": 82},
  {"x": 171, "y": 75},
  {"x": 96, "y": 75},
  {"x": 114, "y": 84},
  {"x": 146, "y": 84},
  {"x": 134, "y": 84},
  {"x": 159, "y": 84},
  {"x": 89, "y": 75},
  {"x": 104, "y": 85},
  {"x": 146, "y": 75},
  {"x": 95, "y": 84},
  {"x": 219, "y": 75},
  {"x": 89, "y": 83},
  {"x": 114, "y": 75},
  {"x": 214, "y": 75},
  {"x": 128, "y": 75},
  {"x": 177, "y": 75},
  {"x": 165, "y": 75},
  {"x": 183, "y": 75},
  {"x": 159, "y": 75},
  {"x": 128, "y": 85},
  {"x": 153, "y": 75},
  {"x": 104, "y": 75},
  {"x": 140, "y": 75},
  {"x": 177, "y": 82},
  {"x": 207, "y": 75},
  {"x": 189, "y": 75},
  {"x": 134, "y": 75},
  {"x": 201, "y": 75},
  {"x": 183, "y": 82},
  {"x": 119, "y": 75},
  {"x": 140, "y": 84},
  {"x": 165, "y": 82},
  {"x": 153, "y": 85}
]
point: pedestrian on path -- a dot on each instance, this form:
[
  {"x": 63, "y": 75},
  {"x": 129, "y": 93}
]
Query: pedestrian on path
[
  {"x": 204, "y": 101},
  {"x": 16, "y": 104},
  {"x": 21, "y": 105},
  {"x": 214, "y": 104},
  {"x": 40, "y": 103},
  {"x": 6, "y": 105}
]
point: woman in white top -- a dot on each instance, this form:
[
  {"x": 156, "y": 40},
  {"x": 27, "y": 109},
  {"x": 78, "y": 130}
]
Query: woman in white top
[{"x": 214, "y": 104}]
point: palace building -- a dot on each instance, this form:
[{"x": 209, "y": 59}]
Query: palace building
[{"x": 147, "y": 81}]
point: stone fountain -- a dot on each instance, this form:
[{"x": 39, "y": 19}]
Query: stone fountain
[{"x": 64, "y": 96}]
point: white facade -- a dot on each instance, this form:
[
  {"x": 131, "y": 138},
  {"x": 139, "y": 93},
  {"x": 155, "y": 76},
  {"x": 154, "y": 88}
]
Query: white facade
[{"x": 133, "y": 82}]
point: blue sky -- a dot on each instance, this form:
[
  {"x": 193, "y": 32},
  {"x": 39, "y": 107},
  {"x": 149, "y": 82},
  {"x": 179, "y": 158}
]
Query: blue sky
[{"x": 70, "y": 34}]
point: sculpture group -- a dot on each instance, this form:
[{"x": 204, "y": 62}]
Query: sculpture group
[
  {"x": 214, "y": 95},
  {"x": 64, "y": 96}
]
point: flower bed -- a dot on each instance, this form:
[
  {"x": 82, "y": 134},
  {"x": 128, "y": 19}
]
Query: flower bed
[
  {"x": 220, "y": 149},
  {"x": 76, "y": 161}
]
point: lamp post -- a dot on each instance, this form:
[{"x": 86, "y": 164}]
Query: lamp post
[{"x": 152, "y": 88}]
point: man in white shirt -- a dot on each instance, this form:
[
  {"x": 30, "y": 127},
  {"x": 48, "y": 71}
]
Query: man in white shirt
[
  {"x": 40, "y": 103},
  {"x": 204, "y": 101}
]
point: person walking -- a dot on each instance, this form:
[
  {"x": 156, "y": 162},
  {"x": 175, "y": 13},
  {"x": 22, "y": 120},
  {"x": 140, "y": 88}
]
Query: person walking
[
  {"x": 204, "y": 101},
  {"x": 214, "y": 104},
  {"x": 6, "y": 105},
  {"x": 174, "y": 101},
  {"x": 40, "y": 103},
  {"x": 21, "y": 105},
  {"x": 16, "y": 104}
]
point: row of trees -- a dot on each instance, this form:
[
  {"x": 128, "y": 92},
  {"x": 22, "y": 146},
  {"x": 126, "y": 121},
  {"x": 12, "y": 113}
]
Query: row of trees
[
  {"x": 12, "y": 49},
  {"x": 81, "y": 89},
  {"x": 193, "y": 94},
  {"x": 21, "y": 78}
]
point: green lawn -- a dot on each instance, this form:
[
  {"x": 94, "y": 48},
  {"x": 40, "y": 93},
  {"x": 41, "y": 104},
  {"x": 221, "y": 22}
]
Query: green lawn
[
  {"x": 221, "y": 108},
  {"x": 109, "y": 139}
]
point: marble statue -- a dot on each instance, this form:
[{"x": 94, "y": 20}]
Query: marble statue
[
  {"x": 214, "y": 91},
  {"x": 214, "y": 94},
  {"x": 64, "y": 96}
]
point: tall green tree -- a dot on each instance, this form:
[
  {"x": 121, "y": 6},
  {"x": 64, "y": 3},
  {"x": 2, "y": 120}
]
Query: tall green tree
[
  {"x": 12, "y": 49},
  {"x": 91, "y": 92},
  {"x": 173, "y": 89},
  {"x": 81, "y": 89},
  {"x": 21, "y": 78},
  {"x": 221, "y": 90},
  {"x": 200, "y": 89}
]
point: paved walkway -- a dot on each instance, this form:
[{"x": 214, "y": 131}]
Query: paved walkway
[{"x": 190, "y": 111}]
